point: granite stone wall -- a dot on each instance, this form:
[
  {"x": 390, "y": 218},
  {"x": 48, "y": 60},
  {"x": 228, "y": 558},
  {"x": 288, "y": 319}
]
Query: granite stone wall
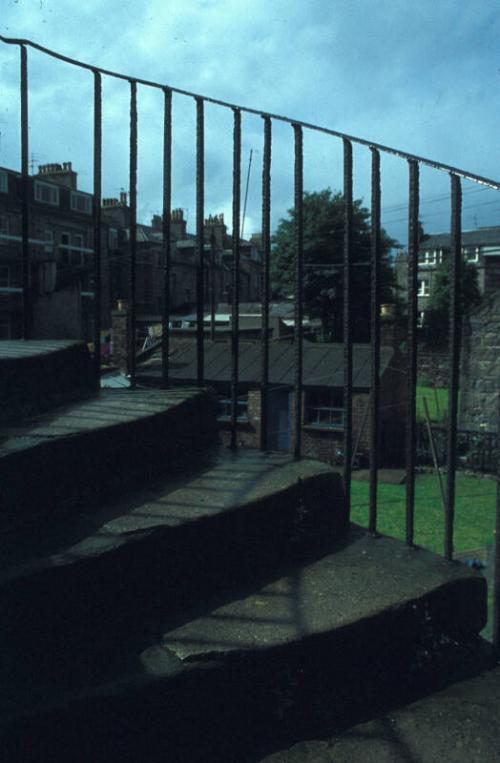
[{"x": 480, "y": 386}]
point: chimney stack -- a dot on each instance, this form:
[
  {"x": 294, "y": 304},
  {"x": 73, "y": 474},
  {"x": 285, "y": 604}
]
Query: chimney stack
[{"x": 62, "y": 174}]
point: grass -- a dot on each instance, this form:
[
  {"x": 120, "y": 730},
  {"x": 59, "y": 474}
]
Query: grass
[
  {"x": 475, "y": 505},
  {"x": 437, "y": 403},
  {"x": 474, "y": 511}
]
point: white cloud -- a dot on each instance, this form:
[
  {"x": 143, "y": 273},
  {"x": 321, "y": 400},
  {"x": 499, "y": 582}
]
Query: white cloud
[{"x": 423, "y": 77}]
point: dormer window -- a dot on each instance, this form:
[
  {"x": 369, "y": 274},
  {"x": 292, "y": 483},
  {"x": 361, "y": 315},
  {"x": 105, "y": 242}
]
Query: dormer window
[
  {"x": 46, "y": 193},
  {"x": 81, "y": 202}
]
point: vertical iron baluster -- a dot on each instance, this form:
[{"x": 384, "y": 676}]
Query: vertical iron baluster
[
  {"x": 454, "y": 348},
  {"x": 347, "y": 323},
  {"x": 26, "y": 267},
  {"x": 200, "y": 183},
  {"x": 299, "y": 270},
  {"x": 375, "y": 337},
  {"x": 97, "y": 224},
  {"x": 166, "y": 215},
  {"x": 266, "y": 246},
  {"x": 236, "y": 273},
  {"x": 212, "y": 284},
  {"x": 133, "y": 229},
  {"x": 411, "y": 428}
]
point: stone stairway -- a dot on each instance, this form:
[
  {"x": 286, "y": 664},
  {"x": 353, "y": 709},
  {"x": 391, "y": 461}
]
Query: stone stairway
[{"x": 166, "y": 599}]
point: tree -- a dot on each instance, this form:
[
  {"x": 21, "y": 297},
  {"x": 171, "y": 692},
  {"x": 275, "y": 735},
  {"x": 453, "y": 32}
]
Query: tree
[
  {"x": 323, "y": 213},
  {"x": 436, "y": 317}
]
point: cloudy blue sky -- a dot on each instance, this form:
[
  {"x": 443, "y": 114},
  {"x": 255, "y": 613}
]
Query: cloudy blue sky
[{"x": 423, "y": 77}]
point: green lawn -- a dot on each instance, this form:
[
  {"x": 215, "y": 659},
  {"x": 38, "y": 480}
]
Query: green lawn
[
  {"x": 437, "y": 403},
  {"x": 474, "y": 511},
  {"x": 474, "y": 518}
]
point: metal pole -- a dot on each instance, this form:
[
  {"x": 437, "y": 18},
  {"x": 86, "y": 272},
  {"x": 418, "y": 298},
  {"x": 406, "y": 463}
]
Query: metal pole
[
  {"x": 97, "y": 225},
  {"x": 411, "y": 426},
  {"x": 347, "y": 324},
  {"x": 299, "y": 271},
  {"x": 25, "y": 223},
  {"x": 166, "y": 215}
]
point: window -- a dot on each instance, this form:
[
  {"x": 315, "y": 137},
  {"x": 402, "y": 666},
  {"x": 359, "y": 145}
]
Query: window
[
  {"x": 4, "y": 182},
  {"x": 324, "y": 409},
  {"x": 77, "y": 256},
  {"x": 420, "y": 318},
  {"x": 4, "y": 276},
  {"x": 429, "y": 258},
  {"x": 224, "y": 409},
  {"x": 46, "y": 193},
  {"x": 4, "y": 229},
  {"x": 472, "y": 255},
  {"x": 81, "y": 202},
  {"x": 78, "y": 240},
  {"x": 49, "y": 241},
  {"x": 113, "y": 238},
  {"x": 4, "y": 328},
  {"x": 423, "y": 287},
  {"x": 64, "y": 247}
]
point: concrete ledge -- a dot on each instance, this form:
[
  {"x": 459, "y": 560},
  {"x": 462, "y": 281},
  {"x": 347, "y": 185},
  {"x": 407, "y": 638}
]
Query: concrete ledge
[{"x": 87, "y": 451}]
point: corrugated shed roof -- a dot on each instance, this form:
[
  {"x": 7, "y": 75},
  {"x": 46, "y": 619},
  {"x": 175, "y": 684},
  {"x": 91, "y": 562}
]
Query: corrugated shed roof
[{"x": 323, "y": 364}]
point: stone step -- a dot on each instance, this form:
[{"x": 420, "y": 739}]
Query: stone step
[
  {"x": 37, "y": 375},
  {"x": 459, "y": 724},
  {"x": 101, "y": 578},
  {"x": 86, "y": 451},
  {"x": 322, "y": 644}
]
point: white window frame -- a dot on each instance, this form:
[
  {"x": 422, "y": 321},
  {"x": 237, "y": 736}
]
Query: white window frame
[
  {"x": 51, "y": 190},
  {"x": 326, "y": 417},
  {"x": 475, "y": 255},
  {"x": 76, "y": 198},
  {"x": 4, "y": 182},
  {"x": 224, "y": 409},
  {"x": 424, "y": 287}
]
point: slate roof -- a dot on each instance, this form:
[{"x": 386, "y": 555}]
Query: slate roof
[
  {"x": 323, "y": 364},
  {"x": 479, "y": 237}
]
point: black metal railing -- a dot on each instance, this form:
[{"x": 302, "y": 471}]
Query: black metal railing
[{"x": 298, "y": 127}]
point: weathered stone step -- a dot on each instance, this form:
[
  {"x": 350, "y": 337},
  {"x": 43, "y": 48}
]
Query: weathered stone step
[
  {"x": 88, "y": 450},
  {"x": 321, "y": 645},
  {"x": 459, "y": 724},
  {"x": 118, "y": 573},
  {"x": 37, "y": 375}
]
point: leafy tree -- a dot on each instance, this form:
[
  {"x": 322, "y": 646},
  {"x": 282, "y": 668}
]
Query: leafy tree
[
  {"x": 323, "y": 213},
  {"x": 436, "y": 318}
]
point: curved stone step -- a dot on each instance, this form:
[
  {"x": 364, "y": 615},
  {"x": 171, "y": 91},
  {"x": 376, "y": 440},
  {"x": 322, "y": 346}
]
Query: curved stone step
[
  {"x": 322, "y": 645},
  {"x": 88, "y": 450},
  {"x": 37, "y": 375},
  {"x": 117, "y": 574}
]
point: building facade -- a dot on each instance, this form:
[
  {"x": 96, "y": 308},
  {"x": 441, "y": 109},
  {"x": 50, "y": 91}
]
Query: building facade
[
  {"x": 61, "y": 254},
  {"x": 480, "y": 247},
  {"x": 62, "y": 259}
]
